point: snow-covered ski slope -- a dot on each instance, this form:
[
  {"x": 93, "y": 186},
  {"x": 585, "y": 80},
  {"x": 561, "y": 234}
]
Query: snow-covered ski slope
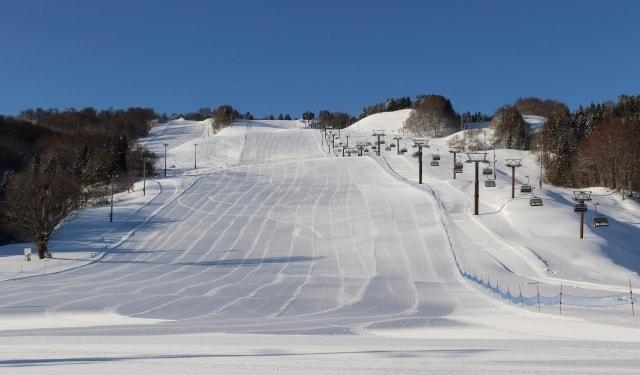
[
  {"x": 389, "y": 121},
  {"x": 275, "y": 256}
]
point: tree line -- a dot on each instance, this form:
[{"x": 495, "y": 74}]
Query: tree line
[
  {"x": 598, "y": 145},
  {"x": 595, "y": 146},
  {"x": 52, "y": 162}
]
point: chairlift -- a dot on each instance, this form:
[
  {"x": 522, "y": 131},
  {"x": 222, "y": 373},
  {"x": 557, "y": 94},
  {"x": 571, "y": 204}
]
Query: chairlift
[
  {"x": 489, "y": 183},
  {"x": 580, "y": 207},
  {"x": 435, "y": 157},
  {"x": 392, "y": 145},
  {"x": 458, "y": 166},
  {"x": 366, "y": 150},
  {"x": 487, "y": 171},
  {"x": 415, "y": 154},
  {"x": 403, "y": 150},
  {"x": 387, "y": 148},
  {"x": 526, "y": 188},
  {"x": 535, "y": 201},
  {"x": 599, "y": 220},
  {"x": 435, "y": 163}
]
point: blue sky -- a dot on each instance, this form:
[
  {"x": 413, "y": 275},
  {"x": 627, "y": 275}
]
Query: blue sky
[{"x": 284, "y": 56}]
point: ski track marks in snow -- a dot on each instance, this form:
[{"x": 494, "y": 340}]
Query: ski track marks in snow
[{"x": 286, "y": 241}]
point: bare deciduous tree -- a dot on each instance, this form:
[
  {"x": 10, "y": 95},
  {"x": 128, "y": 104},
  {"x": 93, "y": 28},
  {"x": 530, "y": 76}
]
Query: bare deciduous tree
[{"x": 36, "y": 203}]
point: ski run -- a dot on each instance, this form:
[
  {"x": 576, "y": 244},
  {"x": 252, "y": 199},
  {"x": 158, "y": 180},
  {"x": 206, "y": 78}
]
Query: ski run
[{"x": 279, "y": 255}]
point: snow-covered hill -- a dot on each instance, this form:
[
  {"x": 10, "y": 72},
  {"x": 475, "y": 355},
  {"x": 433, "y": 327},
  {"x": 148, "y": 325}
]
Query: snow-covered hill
[
  {"x": 278, "y": 256},
  {"x": 391, "y": 122}
]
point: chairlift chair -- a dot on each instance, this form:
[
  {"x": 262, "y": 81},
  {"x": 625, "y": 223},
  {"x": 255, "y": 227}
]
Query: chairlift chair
[
  {"x": 600, "y": 221},
  {"x": 387, "y": 148},
  {"x": 458, "y": 166},
  {"x": 490, "y": 183},
  {"x": 435, "y": 157},
  {"x": 366, "y": 150},
  {"x": 526, "y": 189},
  {"x": 435, "y": 163},
  {"x": 392, "y": 145},
  {"x": 487, "y": 171},
  {"x": 535, "y": 201},
  {"x": 403, "y": 150},
  {"x": 415, "y": 154}
]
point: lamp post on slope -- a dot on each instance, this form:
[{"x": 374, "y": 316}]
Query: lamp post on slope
[
  {"x": 165, "y": 158},
  {"x": 195, "y": 156},
  {"x": 144, "y": 176},
  {"x": 113, "y": 176}
]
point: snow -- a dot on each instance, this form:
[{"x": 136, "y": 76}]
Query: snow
[
  {"x": 535, "y": 122},
  {"x": 391, "y": 122},
  {"x": 276, "y": 256}
]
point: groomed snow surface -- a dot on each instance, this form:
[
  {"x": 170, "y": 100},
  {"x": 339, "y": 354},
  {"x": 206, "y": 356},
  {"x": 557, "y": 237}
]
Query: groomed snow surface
[{"x": 277, "y": 256}]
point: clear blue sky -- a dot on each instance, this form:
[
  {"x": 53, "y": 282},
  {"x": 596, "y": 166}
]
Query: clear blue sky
[{"x": 288, "y": 56}]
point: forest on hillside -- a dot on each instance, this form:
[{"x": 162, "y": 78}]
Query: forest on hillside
[{"x": 52, "y": 162}]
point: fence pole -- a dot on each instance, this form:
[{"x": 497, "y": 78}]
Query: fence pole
[
  {"x": 538, "y": 294},
  {"x": 521, "y": 300},
  {"x": 560, "y": 299},
  {"x": 633, "y": 311}
]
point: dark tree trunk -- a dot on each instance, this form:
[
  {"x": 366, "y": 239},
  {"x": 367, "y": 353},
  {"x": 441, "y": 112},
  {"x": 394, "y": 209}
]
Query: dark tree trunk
[{"x": 43, "y": 249}]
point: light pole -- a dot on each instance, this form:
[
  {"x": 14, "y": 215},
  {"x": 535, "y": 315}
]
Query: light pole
[
  {"x": 420, "y": 143},
  {"x": 476, "y": 158},
  {"x": 144, "y": 176},
  {"x": 346, "y": 136},
  {"x": 195, "y": 156},
  {"x": 494, "y": 161},
  {"x": 513, "y": 164},
  {"x": 541, "y": 147},
  {"x": 379, "y": 134},
  {"x": 111, "y": 210},
  {"x": 165, "y": 158}
]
